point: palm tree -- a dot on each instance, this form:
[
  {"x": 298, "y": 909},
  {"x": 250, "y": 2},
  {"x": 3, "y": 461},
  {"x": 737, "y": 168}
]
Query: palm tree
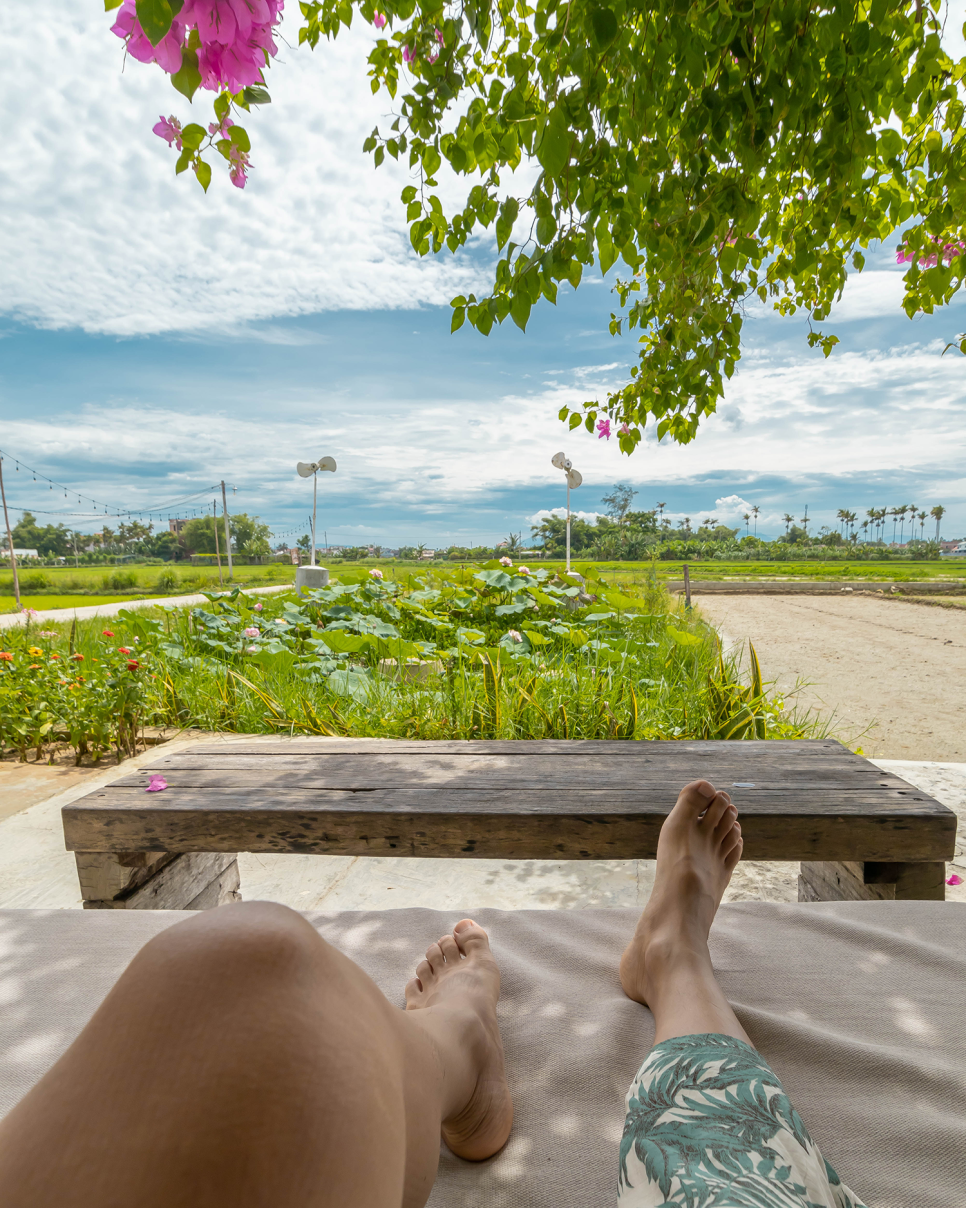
[
  {"x": 922, "y": 524},
  {"x": 842, "y": 516},
  {"x": 805, "y": 520},
  {"x": 746, "y": 517},
  {"x": 865, "y": 528},
  {"x": 937, "y": 514},
  {"x": 789, "y": 519},
  {"x": 660, "y": 510},
  {"x": 756, "y": 512},
  {"x": 894, "y": 513},
  {"x": 513, "y": 543}
]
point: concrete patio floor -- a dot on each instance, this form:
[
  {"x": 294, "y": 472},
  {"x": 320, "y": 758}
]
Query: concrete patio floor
[{"x": 36, "y": 871}]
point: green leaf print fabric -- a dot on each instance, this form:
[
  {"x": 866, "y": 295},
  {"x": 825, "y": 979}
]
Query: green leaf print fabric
[{"x": 709, "y": 1124}]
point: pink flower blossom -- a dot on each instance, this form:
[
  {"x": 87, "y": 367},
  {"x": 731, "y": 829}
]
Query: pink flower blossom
[
  {"x": 409, "y": 55},
  {"x": 221, "y": 128},
  {"x": 930, "y": 260},
  {"x": 524, "y": 570},
  {"x": 515, "y": 634},
  {"x": 624, "y": 430},
  {"x": 238, "y": 167},
  {"x": 603, "y": 429},
  {"x": 505, "y": 561},
  {"x": 167, "y": 53},
  {"x": 169, "y": 128},
  {"x": 251, "y": 632},
  {"x": 378, "y": 20},
  {"x": 157, "y": 785},
  {"x": 251, "y": 650},
  {"x": 259, "y": 607},
  {"x": 954, "y": 879},
  {"x": 376, "y": 573},
  {"x": 30, "y": 613}
]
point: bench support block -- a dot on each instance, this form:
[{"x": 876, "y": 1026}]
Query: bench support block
[
  {"x": 151, "y": 880},
  {"x": 824, "y": 881}
]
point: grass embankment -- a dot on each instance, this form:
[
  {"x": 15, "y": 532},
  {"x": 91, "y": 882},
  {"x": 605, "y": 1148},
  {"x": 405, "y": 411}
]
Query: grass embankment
[{"x": 442, "y": 653}]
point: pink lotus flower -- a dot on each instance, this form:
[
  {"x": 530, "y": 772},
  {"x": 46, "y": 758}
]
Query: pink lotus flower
[
  {"x": 954, "y": 879},
  {"x": 378, "y": 20},
  {"x": 603, "y": 429},
  {"x": 251, "y": 650},
  {"x": 515, "y": 634},
  {"x": 259, "y": 607},
  {"x": 169, "y": 128},
  {"x": 252, "y": 632},
  {"x": 157, "y": 785},
  {"x": 524, "y": 570},
  {"x": 376, "y": 573},
  {"x": 505, "y": 561}
]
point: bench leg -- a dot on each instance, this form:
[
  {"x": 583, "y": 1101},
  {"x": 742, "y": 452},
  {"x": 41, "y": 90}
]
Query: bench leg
[
  {"x": 152, "y": 880},
  {"x": 825, "y": 881}
]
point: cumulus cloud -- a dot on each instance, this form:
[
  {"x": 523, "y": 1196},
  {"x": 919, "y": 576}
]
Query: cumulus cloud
[{"x": 546, "y": 513}]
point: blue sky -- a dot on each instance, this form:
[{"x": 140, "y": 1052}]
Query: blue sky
[{"x": 154, "y": 341}]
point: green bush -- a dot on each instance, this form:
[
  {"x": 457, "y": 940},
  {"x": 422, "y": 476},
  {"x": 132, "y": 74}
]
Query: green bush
[
  {"x": 33, "y": 583},
  {"x": 121, "y": 580},
  {"x": 167, "y": 581}
]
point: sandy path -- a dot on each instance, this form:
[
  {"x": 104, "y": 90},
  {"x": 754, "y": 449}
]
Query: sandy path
[{"x": 897, "y": 667}]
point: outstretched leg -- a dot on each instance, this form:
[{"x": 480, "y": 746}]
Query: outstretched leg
[
  {"x": 708, "y": 1121},
  {"x": 667, "y": 964},
  {"x": 242, "y": 1062}
]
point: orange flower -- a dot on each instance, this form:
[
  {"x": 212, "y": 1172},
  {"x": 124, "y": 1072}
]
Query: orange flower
[
  {"x": 6, "y": 656},
  {"x": 78, "y": 658},
  {"x": 54, "y": 658},
  {"x": 124, "y": 649},
  {"x": 34, "y": 667},
  {"x": 133, "y": 664}
]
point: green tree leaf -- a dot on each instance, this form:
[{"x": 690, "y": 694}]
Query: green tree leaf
[
  {"x": 188, "y": 78},
  {"x": 155, "y": 17}
]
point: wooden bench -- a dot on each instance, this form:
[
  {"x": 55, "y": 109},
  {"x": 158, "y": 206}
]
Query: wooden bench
[{"x": 859, "y": 832}]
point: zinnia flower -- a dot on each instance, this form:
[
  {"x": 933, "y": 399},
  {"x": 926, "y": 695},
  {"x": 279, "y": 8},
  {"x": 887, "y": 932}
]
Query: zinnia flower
[
  {"x": 107, "y": 633},
  {"x": 79, "y": 658},
  {"x": 124, "y": 649},
  {"x": 133, "y": 664},
  {"x": 34, "y": 651},
  {"x": 6, "y": 656}
]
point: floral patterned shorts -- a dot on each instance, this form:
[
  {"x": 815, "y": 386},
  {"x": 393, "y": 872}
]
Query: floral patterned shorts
[{"x": 708, "y": 1123}]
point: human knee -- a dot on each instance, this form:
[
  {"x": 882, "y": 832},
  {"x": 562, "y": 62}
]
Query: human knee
[{"x": 240, "y": 943}]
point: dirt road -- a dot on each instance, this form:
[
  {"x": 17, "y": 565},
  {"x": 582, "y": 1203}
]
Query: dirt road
[{"x": 896, "y": 667}]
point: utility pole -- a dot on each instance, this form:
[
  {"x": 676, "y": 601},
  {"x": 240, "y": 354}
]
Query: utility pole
[
  {"x": 13, "y": 556},
  {"x": 224, "y": 504},
  {"x": 214, "y": 513}
]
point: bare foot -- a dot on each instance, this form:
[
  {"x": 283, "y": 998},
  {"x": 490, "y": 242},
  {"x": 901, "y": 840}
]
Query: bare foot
[
  {"x": 699, "y": 846},
  {"x": 459, "y": 975}
]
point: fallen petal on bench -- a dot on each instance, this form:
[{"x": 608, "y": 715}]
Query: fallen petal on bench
[{"x": 158, "y": 785}]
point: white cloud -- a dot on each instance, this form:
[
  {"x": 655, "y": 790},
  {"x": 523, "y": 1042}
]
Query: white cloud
[
  {"x": 98, "y": 233},
  {"x": 546, "y": 513}
]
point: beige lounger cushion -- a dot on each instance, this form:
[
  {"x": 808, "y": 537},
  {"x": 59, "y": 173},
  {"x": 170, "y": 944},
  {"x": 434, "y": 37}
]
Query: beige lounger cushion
[{"x": 860, "y": 1007}]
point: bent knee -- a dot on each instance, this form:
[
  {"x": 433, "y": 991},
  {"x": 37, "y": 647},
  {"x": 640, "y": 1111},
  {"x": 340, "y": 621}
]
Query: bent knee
[{"x": 243, "y": 941}]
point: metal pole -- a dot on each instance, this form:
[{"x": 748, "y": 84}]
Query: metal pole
[
  {"x": 315, "y": 492},
  {"x": 568, "y": 523},
  {"x": 214, "y": 512},
  {"x": 224, "y": 504},
  {"x": 687, "y": 587},
  {"x": 13, "y": 557}
]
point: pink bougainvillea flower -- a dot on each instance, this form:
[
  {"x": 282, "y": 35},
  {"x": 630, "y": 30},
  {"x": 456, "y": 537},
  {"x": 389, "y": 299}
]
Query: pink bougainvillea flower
[
  {"x": 259, "y": 607},
  {"x": 376, "y": 573},
  {"x": 221, "y": 128},
  {"x": 603, "y": 429},
  {"x": 251, "y": 632},
  {"x": 505, "y": 561},
  {"x": 169, "y": 128},
  {"x": 107, "y": 633},
  {"x": 157, "y": 785},
  {"x": 238, "y": 170},
  {"x": 954, "y": 879},
  {"x": 409, "y": 55},
  {"x": 378, "y": 20},
  {"x": 624, "y": 430}
]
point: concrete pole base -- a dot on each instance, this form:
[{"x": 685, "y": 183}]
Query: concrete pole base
[{"x": 310, "y": 578}]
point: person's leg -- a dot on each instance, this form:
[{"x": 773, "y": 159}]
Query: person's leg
[
  {"x": 708, "y": 1121},
  {"x": 667, "y": 964},
  {"x": 242, "y": 1062}
]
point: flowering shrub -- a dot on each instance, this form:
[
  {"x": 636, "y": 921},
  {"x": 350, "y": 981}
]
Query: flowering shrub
[{"x": 223, "y": 46}]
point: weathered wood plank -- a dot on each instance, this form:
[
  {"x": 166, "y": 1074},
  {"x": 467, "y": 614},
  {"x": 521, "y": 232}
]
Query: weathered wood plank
[
  {"x": 660, "y": 748},
  {"x": 278, "y": 827},
  {"x": 827, "y": 881},
  {"x": 107, "y": 875},
  {"x": 185, "y": 880},
  {"x": 497, "y": 802}
]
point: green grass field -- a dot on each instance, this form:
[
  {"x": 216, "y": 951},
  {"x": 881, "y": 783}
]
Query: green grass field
[{"x": 66, "y": 587}]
